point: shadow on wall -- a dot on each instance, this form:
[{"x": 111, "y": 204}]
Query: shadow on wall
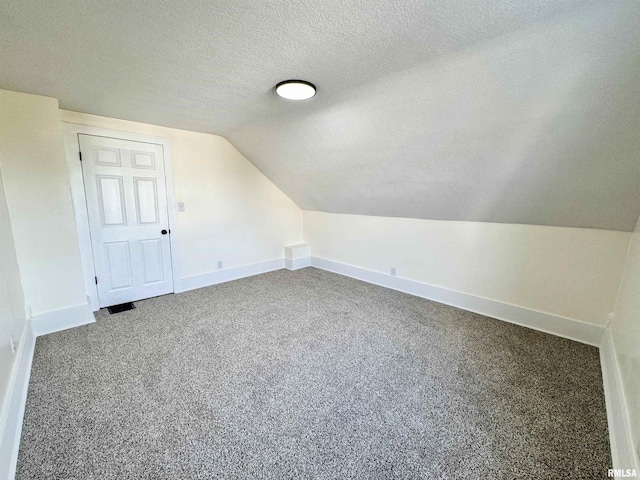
[{"x": 537, "y": 127}]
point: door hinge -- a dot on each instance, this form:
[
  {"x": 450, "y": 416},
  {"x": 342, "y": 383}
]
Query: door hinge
[
  {"x": 96, "y": 280},
  {"x": 80, "y": 155}
]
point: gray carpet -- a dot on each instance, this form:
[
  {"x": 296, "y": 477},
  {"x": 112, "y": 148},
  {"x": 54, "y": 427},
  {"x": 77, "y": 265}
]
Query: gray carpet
[{"x": 308, "y": 374}]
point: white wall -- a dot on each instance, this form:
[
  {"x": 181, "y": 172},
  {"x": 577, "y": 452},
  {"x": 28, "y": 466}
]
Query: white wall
[
  {"x": 625, "y": 332},
  {"x": 12, "y": 315},
  {"x": 38, "y": 197},
  {"x": 569, "y": 272},
  {"x": 232, "y": 211}
]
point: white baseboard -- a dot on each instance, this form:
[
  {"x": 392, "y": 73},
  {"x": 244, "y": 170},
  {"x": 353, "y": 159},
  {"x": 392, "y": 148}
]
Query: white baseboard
[
  {"x": 620, "y": 436},
  {"x": 57, "y": 320},
  {"x": 14, "y": 404},
  {"x": 16, "y": 395},
  {"x": 228, "y": 274},
  {"x": 622, "y": 449},
  {"x": 545, "y": 322},
  {"x": 297, "y": 263}
]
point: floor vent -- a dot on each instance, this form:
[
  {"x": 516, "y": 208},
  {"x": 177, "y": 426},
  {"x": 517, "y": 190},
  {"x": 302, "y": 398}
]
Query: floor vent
[{"x": 123, "y": 307}]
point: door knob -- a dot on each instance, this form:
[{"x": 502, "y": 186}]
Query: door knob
[{"x": 164, "y": 232}]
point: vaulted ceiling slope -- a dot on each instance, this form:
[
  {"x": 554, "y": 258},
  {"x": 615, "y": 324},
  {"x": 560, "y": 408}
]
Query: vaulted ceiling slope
[{"x": 518, "y": 111}]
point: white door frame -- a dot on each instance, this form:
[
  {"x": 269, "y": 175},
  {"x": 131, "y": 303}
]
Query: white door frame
[{"x": 74, "y": 167}]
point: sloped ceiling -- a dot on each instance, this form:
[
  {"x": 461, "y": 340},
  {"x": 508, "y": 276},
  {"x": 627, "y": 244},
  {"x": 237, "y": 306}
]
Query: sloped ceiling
[{"x": 518, "y": 112}]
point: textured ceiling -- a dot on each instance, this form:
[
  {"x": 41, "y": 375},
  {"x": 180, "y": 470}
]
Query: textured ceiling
[{"x": 518, "y": 111}]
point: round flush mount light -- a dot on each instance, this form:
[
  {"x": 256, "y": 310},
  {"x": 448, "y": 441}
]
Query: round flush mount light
[{"x": 296, "y": 89}]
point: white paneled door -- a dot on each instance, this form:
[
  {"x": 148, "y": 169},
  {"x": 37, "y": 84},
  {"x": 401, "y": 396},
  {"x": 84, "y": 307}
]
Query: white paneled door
[{"x": 126, "y": 195}]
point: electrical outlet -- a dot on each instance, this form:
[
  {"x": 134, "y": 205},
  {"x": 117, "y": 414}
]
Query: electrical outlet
[
  {"x": 219, "y": 264},
  {"x": 12, "y": 343},
  {"x": 393, "y": 271},
  {"x": 181, "y": 206}
]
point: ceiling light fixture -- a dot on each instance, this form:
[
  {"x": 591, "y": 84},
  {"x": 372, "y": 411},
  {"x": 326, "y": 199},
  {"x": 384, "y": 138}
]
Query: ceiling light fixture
[{"x": 296, "y": 89}]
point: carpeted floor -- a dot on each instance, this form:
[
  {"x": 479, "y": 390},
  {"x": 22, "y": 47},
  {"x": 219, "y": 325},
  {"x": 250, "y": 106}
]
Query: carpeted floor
[{"x": 308, "y": 374}]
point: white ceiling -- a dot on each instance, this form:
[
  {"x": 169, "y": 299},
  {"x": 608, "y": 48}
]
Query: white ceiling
[{"x": 517, "y": 111}]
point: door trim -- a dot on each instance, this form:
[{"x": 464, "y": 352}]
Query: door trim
[{"x": 70, "y": 133}]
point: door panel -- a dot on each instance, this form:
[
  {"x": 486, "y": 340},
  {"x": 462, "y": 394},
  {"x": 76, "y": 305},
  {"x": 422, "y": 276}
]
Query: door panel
[
  {"x": 108, "y": 157},
  {"x": 111, "y": 200},
  {"x": 127, "y": 205},
  {"x": 144, "y": 160},
  {"x": 146, "y": 201},
  {"x": 118, "y": 259},
  {"x": 152, "y": 261}
]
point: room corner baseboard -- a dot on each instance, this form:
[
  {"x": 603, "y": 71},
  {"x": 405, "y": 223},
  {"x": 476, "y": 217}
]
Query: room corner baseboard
[
  {"x": 16, "y": 396},
  {"x": 15, "y": 401},
  {"x": 620, "y": 437},
  {"x": 229, "y": 274},
  {"x": 63, "y": 319},
  {"x": 297, "y": 263},
  {"x": 546, "y": 322}
]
